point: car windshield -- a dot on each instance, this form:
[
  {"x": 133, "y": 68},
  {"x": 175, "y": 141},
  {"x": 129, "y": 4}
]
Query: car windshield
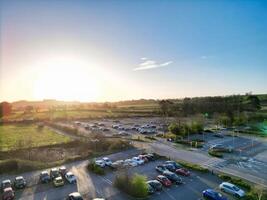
[
  {"x": 164, "y": 179},
  {"x": 236, "y": 188},
  {"x": 19, "y": 180}
]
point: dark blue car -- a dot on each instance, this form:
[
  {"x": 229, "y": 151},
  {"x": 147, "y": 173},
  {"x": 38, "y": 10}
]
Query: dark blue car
[{"x": 213, "y": 195}]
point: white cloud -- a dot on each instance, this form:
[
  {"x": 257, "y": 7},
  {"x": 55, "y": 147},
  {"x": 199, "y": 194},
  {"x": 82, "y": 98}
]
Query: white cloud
[{"x": 151, "y": 64}]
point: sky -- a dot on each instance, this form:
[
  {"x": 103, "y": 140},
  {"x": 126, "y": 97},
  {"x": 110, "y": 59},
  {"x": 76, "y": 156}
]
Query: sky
[{"x": 119, "y": 50}]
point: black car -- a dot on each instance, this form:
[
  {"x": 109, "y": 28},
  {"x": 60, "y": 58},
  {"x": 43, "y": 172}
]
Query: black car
[
  {"x": 218, "y": 135},
  {"x": 20, "y": 182},
  {"x": 161, "y": 168},
  {"x": 170, "y": 167},
  {"x": 44, "y": 177},
  {"x": 150, "y": 189},
  {"x": 175, "y": 164},
  {"x": 173, "y": 177},
  {"x": 156, "y": 185},
  {"x": 150, "y": 157}
]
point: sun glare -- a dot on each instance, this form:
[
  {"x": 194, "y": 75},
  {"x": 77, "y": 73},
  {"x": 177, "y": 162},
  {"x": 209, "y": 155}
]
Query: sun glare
[{"x": 66, "y": 79}]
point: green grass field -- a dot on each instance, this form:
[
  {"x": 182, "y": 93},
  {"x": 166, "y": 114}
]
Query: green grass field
[{"x": 23, "y": 136}]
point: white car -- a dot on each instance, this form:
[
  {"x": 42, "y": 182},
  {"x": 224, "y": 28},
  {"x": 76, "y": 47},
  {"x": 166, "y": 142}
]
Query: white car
[
  {"x": 107, "y": 161},
  {"x": 138, "y": 160},
  {"x": 100, "y": 163},
  {"x": 231, "y": 189},
  {"x": 70, "y": 177},
  {"x": 117, "y": 164},
  {"x": 130, "y": 162}
]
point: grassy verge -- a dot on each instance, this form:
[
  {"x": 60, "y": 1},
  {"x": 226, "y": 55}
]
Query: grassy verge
[
  {"x": 30, "y": 135},
  {"x": 15, "y": 166},
  {"x": 193, "y": 143},
  {"x": 192, "y": 166}
]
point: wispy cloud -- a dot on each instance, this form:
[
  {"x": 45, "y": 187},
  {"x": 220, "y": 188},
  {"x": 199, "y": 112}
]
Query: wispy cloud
[
  {"x": 203, "y": 57},
  {"x": 150, "y": 64}
]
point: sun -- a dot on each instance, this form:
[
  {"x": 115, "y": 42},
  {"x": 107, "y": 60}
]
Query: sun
[{"x": 66, "y": 79}]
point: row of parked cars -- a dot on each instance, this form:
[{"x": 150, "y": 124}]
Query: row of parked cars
[
  {"x": 130, "y": 162},
  {"x": 7, "y": 187},
  {"x": 169, "y": 174},
  {"x": 57, "y": 176}
]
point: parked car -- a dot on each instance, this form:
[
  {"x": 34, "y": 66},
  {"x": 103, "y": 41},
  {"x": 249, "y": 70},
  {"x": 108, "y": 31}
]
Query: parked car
[
  {"x": 161, "y": 169},
  {"x": 173, "y": 177},
  {"x": 107, "y": 161},
  {"x": 54, "y": 173},
  {"x": 58, "y": 181},
  {"x": 71, "y": 178},
  {"x": 100, "y": 163},
  {"x": 8, "y": 194},
  {"x": 130, "y": 162},
  {"x": 164, "y": 180},
  {"x": 232, "y": 189},
  {"x": 44, "y": 177},
  {"x": 170, "y": 167},
  {"x": 138, "y": 160},
  {"x": 20, "y": 182},
  {"x": 150, "y": 157},
  {"x": 175, "y": 164},
  {"x": 144, "y": 158},
  {"x": 218, "y": 135},
  {"x": 62, "y": 170},
  {"x": 117, "y": 164},
  {"x": 123, "y": 133},
  {"x": 150, "y": 189},
  {"x": 6, "y": 184},
  {"x": 211, "y": 194},
  {"x": 221, "y": 148},
  {"x": 157, "y": 186},
  {"x": 182, "y": 171},
  {"x": 75, "y": 196}
]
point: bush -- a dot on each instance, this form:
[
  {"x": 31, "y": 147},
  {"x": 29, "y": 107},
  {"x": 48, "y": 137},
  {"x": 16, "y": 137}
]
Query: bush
[
  {"x": 215, "y": 154},
  {"x": 139, "y": 186},
  {"x": 192, "y": 143},
  {"x": 193, "y": 166},
  {"x": 134, "y": 185},
  {"x": 95, "y": 168}
]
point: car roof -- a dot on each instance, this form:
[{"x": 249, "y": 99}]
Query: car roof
[
  {"x": 161, "y": 176},
  {"x": 69, "y": 173},
  {"x": 227, "y": 183},
  {"x": 6, "y": 181},
  {"x": 168, "y": 172},
  {"x": 8, "y": 189},
  {"x": 211, "y": 191},
  {"x": 58, "y": 178},
  {"x": 75, "y": 194},
  {"x": 44, "y": 172},
  {"x": 19, "y": 177}
]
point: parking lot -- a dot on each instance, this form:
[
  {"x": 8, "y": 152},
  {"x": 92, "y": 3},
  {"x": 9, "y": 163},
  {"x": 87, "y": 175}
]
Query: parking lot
[
  {"x": 122, "y": 127},
  {"x": 91, "y": 185}
]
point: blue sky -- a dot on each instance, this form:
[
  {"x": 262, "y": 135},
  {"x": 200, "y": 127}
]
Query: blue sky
[{"x": 135, "y": 49}]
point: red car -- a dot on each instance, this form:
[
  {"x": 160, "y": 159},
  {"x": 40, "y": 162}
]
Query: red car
[
  {"x": 8, "y": 194},
  {"x": 144, "y": 158},
  {"x": 164, "y": 180},
  {"x": 183, "y": 172}
]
